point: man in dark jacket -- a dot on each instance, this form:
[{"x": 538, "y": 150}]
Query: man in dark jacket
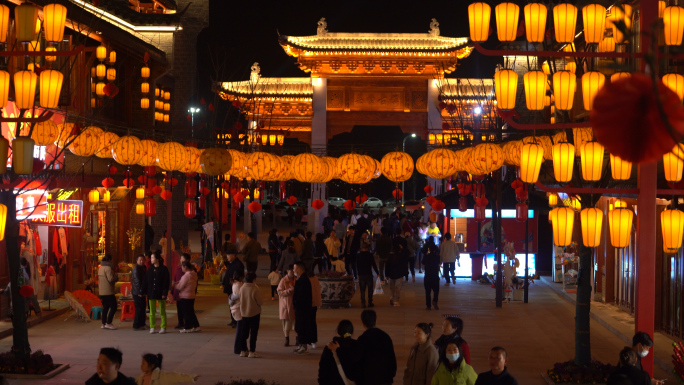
[
  {"x": 302, "y": 299},
  {"x": 108, "y": 365},
  {"x": 234, "y": 264},
  {"x": 308, "y": 251},
  {"x": 328, "y": 223},
  {"x": 383, "y": 248},
  {"x": 379, "y": 362},
  {"x": 138, "y": 291},
  {"x": 365, "y": 264},
  {"x": 251, "y": 252},
  {"x": 498, "y": 375},
  {"x": 158, "y": 283}
]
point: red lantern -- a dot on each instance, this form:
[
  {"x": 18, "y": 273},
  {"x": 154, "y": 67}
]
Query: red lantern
[
  {"x": 397, "y": 194},
  {"x": 233, "y": 191},
  {"x": 254, "y": 207},
  {"x": 127, "y": 174},
  {"x": 349, "y": 205},
  {"x": 205, "y": 191},
  {"x": 107, "y": 182},
  {"x": 190, "y": 188},
  {"x": 238, "y": 197},
  {"x": 190, "y": 208},
  {"x": 190, "y": 174},
  {"x": 149, "y": 192},
  {"x": 521, "y": 212},
  {"x": 157, "y": 190},
  {"x": 521, "y": 194},
  {"x": 361, "y": 198},
  {"x": 173, "y": 182},
  {"x": 427, "y": 189},
  {"x": 26, "y": 291},
  {"x": 479, "y": 190},
  {"x": 438, "y": 205},
  {"x": 462, "y": 204},
  {"x": 202, "y": 202},
  {"x": 225, "y": 186},
  {"x": 141, "y": 179},
  {"x": 150, "y": 207},
  {"x": 430, "y": 200},
  {"x": 129, "y": 183},
  {"x": 481, "y": 201},
  {"x": 151, "y": 182},
  {"x": 165, "y": 195},
  {"x": 317, "y": 204},
  {"x": 112, "y": 169},
  {"x": 479, "y": 213},
  {"x": 291, "y": 200},
  {"x": 150, "y": 171}
]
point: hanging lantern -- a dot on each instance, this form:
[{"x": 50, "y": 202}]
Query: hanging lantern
[
  {"x": 531, "y": 158},
  {"x": 4, "y": 154},
  {"x": 93, "y": 196},
  {"x": 264, "y": 166},
  {"x": 306, "y": 167},
  {"x": 441, "y": 163},
  {"x": 48, "y": 57},
  {"x": 101, "y": 53},
  {"x": 190, "y": 188},
  {"x": 562, "y": 221},
  {"x": 592, "y": 82},
  {"x": 145, "y": 72},
  {"x": 167, "y": 106},
  {"x": 620, "y": 169},
  {"x": 487, "y": 157},
  {"x": 620, "y": 224},
  {"x": 565, "y": 22},
  {"x": 24, "y": 87},
  {"x": 564, "y": 85},
  {"x": 675, "y": 82},
  {"x": 521, "y": 212},
  {"x": 149, "y": 153},
  {"x": 673, "y": 163},
  {"x": 553, "y": 200},
  {"x": 397, "y": 166},
  {"x": 592, "y": 161},
  {"x": 619, "y": 75},
  {"x": 99, "y": 89},
  {"x": 190, "y": 208},
  {"x": 4, "y": 23},
  {"x": 506, "y": 86},
  {"x": 106, "y": 197},
  {"x": 54, "y": 18},
  {"x": 105, "y": 144},
  {"x": 673, "y": 18},
  {"x": 140, "y": 209},
  {"x": 619, "y": 203},
  {"x": 462, "y": 204},
  {"x": 479, "y": 15},
  {"x": 193, "y": 160},
  {"x": 145, "y": 87},
  {"x": 507, "y": 21},
  {"x": 672, "y": 223},
  {"x": 254, "y": 207},
  {"x": 591, "y": 220},
  {"x": 166, "y": 118},
  {"x": 215, "y": 161},
  {"x": 661, "y": 8},
  {"x": 144, "y": 103},
  {"x": 535, "y": 22},
  {"x": 150, "y": 207},
  {"x": 171, "y": 156},
  {"x": 546, "y": 69},
  {"x": 535, "y": 89},
  {"x": 140, "y": 193},
  {"x": 86, "y": 143},
  {"x": 479, "y": 213},
  {"x": 25, "y": 21},
  {"x": 167, "y": 95},
  {"x": 4, "y": 86},
  {"x": 594, "y": 18},
  {"x": 571, "y": 66},
  {"x": 101, "y": 71},
  {"x": 563, "y": 161},
  {"x": 111, "y": 74},
  {"x": 22, "y": 155}
]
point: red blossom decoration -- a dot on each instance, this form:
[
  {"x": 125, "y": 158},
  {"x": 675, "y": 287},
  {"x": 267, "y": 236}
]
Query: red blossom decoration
[
  {"x": 203, "y": 102},
  {"x": 438, "y": 205},
  {"x": 107, "y": 182},
  {"x": 238, "y": 197},
  {"x": 361, "y": 198},
  {"x": 165, "y": 195},
  {"x": 141, "y": 179},
  {"x": 211, "y": 107},
  {"x": 349, "y": 205},
  {"x": 317, "y": 204},
  {"x": 254, "y": 207},
  {"x": 291, "y": 200},
  {"x": 129, "y": 183},
  {"x": 397, "y": 194},
  {"x": 112, "y": 170},
  {"x": 157, "y": 190},
  {"x": 427, "y": 189}
]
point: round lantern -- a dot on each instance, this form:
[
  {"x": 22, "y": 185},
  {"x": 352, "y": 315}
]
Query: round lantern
[
  {"x": 441, "y": 163},
  {"x": 171, "y": 156},
  {"x": 673, "y": 163},
  {"x": 106, "y": 144},
  {"x": 67, "y": 131},
  {"x": 306, "y": 167},
  {"x": 327, "y": 173},
  {"x": 535, "y": 89},
  {"x": 378, "y": 169},
  {"x": 215, "y": 161},
  {"x": 591, "y": 220},
  {"x": 571, "y": 66},
  {"x": 673, "y": 18},
  {"x": 591, "y": 155},
  {"x": 140, "y": 209},
  {"x": 535, "y": 22},
  {"x": 262, "y": 166},
  {"x": 511, "y": 151},
  {"x": 620, "y": 169},
  {"x": 238, "y": 167},
  {"x": 562, "y": 221},
  {"x": 564, "y": 22},
  {"x": 594, "y": 18},
  {"x": 332, "y": 165},
  {"x": 192, "y": 163},
  {"x": 531, "y": 158},
  {"x": 397, "y": 166},
  {"x": 592, "y": 82},
  {"x": 140, "y": 193},
  {"x": 620, "y": 224},
  {"x": 479, "y": 15},
  {"x": 128, "y": 150},
  {"x": 93, "y": 196},
  {"x": 506, "y": 87},
  {"x": 521, "y": 212},
  {"x": 190, "y": 208},
  {"x": 85, "y": 144},
  {"x": 352, "y": 168},
  {"x": 254, "y": 207},
  {"x": 580, "y": 137},
  {"x": 50, "y": 87},
  {"x": 487, "y": 157},
  {"x": 149, "y": 153},
  {"x": 553, "y": 200},
  {"x": 45, "y": 133},
  {"x": 563, "y": 161},
  {"x": 672, "y": 223},
  {"x": 507, "y": 21},
  {"x": 150, "y": 207},
  {"x": 25, "y": 21},
  {"x": 675, "y": 82},
  {"x": 24, "y": 88},
  {"x": 106, "y": 197},
  {"x": 564, "y": 85},
  {"x": 420, "y": 164}
]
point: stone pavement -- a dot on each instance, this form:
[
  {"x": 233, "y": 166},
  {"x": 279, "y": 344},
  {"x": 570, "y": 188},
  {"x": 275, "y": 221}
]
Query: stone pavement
[{"x": 536, "y": 335}]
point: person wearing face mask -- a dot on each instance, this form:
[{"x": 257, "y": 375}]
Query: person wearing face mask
[
  {"x": 108, "y": 364},
  {"x": 626, "y": 367},
  {"x": 498, "y": 375},
  {"x": 641, "y": 345},
  {"x": 423, "y": 359},
  {"x": 287, "y": 312},
  {"x": 452, "y": 327},
  {"x": 453, "y": 369}
]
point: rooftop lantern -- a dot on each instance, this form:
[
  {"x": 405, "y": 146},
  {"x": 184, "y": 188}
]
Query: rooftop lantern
[
  {"x": 563, "y": 161},
  {"x": 591, "y": 155},
  {"x": 54, "y": 18},
  {"x": 591, "y": 221},
  {"x": 562, "y": 221},
  {"x": 479, "y": 15},
  {"x": 673, "y": 163},
  {"x": 592, "y": 82},
  {"x": 620, "y": 224},
  {"x": 506, "y": 86},
  {"x": 564, "y": 85},
  {"x": 507, "y": 15},
  {"x": 673, "y": 19},
  {"x": 675, "y": 82},
  {"x": 672, "y": 223},
  {"x": 565, "y": 22},
  {"x": 535, "y": 90},
  {"x": 531, "y": 158},
  {"x": 620, "y": 169},
  {"x": 535, "y": 22},
  {"x": 594, "y": 18}
]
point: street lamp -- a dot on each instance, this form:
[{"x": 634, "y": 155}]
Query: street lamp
[
  {"x": 403, "y": 149},
  {"x": 193, "y": 111}
]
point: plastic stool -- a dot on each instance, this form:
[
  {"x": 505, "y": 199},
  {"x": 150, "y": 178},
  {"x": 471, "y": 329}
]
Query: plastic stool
[
  {"x": 95, "y": 312},
  {"x": 127, "y": 310}
]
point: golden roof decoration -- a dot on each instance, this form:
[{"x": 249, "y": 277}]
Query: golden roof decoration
[
  {"x": 464, "y": 88},
  {"x": 277, "y": 88}
]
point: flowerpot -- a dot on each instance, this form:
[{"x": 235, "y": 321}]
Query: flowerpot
[
  {"x": 22, "y": 155},
  {"x": 336, "y": 292}
]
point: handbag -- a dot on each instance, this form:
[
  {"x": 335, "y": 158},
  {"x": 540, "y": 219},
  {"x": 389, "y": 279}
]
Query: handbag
[
  {"x": 341, "y": 370},
  {"x": 378, "y": 287}
]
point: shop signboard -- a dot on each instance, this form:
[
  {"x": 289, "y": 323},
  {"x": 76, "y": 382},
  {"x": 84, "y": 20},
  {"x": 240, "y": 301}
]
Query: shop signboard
[{"x": 61, "y": 213}]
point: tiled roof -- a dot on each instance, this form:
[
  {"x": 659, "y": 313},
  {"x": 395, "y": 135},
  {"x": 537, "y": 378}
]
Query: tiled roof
[
  {"x": 270, "y": 87},
  {"x": 121, "y": 8},
  {"x": 467, "y": 88},
  {"x": 375, "y": 42}
]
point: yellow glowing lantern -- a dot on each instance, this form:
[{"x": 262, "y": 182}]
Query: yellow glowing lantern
[
  {"x": 99, "y": 89},
  {"x": 673, "y": 18},
  {"x": 506, "y": 86},
  {"x": 594, "y": 18},
  {"x": 563, "y": 161},
  {"x": 167, "y": 95},
  {"x": 564, "y": 85},
  {"x": 592, "y": 82},
  {"x": 140, "y": 209},
  {"x": 144, "y": 103},
  {"x": 50, "y": 88},
  {"x": 619, "y": 75},
  {"x": 167, "y": 106},
  {"x": 440, "y": 163},
  {"x": 553, "y": 200},
  {"x": 24, "y": 88},
  {"x": 264, "y": 166},
  {"x": 166, "y": 118},
  {"x": 591, "y": 155},
  {"x": 620, "y": 169},
  {"x": 352, "y": 168},
  {"x": 51, "y": 58},
  {"x": 112, "y": 57},
  {"x": 4, "y": 87},
  {"x": 306, "y": 167},
  {"x": 672, "y": 223},
  {"x": 149, "y": 153},
  {"x": 25, "y": 20},
  {"x": 171, "y": 156},
  {"x": 105, "y": 144},
  {"x": 606, "y": 45},
  {"x": 535, "y": 22},
  {"x": 619, "y": 203},
  {"x": 157, "y": 92},
  {"x": 145, "y": 72},
  {"x": 565, "y": 22},
  {"x": 544, "y": 141},
  {"x": 507, "y": 21},
  {"x": 215, "y": 161},
  {"x": 193, "y": 160},
  {"x": 562, "y": 221},
  {"x": 85, "y": 144},
  {"x": 571, "y": 66},
  {"x": 93, "y": 196},
  {"x": 44, "y": 133},
  {"x": 675, "y": 82},
  {"x": 673, "y": 163},
  {"x": 531, "y": 158},
  {"x": 620, "y": 224},
  {"x": 487, "y": 157},
  {"x": 145, "y": 87},
  {"x": 479, "y": 15},
  {"x": 238, "y": 167},
  {"x": 397, "y": 166},
  {"x": 101, "y": 53},
  {"x": 4, "y": 26},
  {"x": 591, "y": 220},
  {"x": 54, "y": 18},
  {"x": 106, "y": 196},
  {"x": 535, "y": 90},
  {"x": 140, "y": 193},
  {"x": 111, "y": 74},
  {"x": 127, "y": 150}
]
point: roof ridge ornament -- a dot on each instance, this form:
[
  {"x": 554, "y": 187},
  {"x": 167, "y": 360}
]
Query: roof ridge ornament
[
  {"x": 434, "y": 28},
  {"x": 256, "y": 72},
  {"x": 322, "y": 27}
]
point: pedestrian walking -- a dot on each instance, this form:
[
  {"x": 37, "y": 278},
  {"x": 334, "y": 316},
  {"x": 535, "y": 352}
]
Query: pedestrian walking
[
  {"x": 108, "y": 365},
  {"x": 453, "y": 370},
  {"x": 379, "y": 363},
  {"x": 365, "y": 264},
  {"x": 138, "y": 291},
  {"x": 152, "y": 373},
  {"x": 273, "y": 251},
  {"x": 286, "y": 308},
  {"x": 351, "y": 246},
  {"x": 498, "y": 373},
  {"x": 177, "y": 275},
  {"x": 157, "y": 290},
  {"x": 274, "y": 279},
  {"x": 316, "y": 302},
  {"x": 308, "y": 250},
  {"x": 251, "y": 252},
  {"x": 234, "y": 304},
  {"x": 383, "y": 248},
  {"x": 423, "y": 358},
  {"x": 289, "y": 257},
  {"x": 250, "y": 310},
  {"x": 232, "y": 266},
  {"x": 431, "y": 261},
  {"x": 450, "y": 254},
  {"x": 321, "y": 254},
  {"x": 397, "y": 268},
  {"x": 348, "y": 352},
  {"x": 302, "y": 300},
  {"x": 228, "y": 246},
  {"x": 107, "y": 278},
  {"x": 412, "y": 247},
  {"x": 333, "y": 244},
  {"x": 187, "y": 288},
  {"x": 452, "y": 327}
]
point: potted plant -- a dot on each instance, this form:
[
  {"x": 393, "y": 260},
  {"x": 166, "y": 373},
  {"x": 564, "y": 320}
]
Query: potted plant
[{"x": 337, "y": 289}]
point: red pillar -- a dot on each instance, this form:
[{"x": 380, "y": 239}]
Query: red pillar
[{"x": 644, "y": 313}]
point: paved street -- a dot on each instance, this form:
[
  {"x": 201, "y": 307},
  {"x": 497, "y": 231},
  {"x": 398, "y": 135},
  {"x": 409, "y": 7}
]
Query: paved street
[{"x": 536, "y": 335}]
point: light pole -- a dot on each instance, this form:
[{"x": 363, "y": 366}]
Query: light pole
[
  {"x": 193, "y": 111},
  {"x": 403, "y": 149}
]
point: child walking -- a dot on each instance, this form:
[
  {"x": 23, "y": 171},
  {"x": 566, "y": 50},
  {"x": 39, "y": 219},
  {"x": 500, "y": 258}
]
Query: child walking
[{"x": 274, "y": 278}]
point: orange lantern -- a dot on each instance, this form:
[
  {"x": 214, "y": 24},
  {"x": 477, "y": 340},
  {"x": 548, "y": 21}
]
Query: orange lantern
[
  {"x": 262, "y": 166},
  {"x": 149, "y": 153},
  {"x": 594, "y": 18},
  {"x": 193, "y": 160},
  {"x": 171, "y": 156},
  {"x": 564, "y": 85},
  {"x": 24, "y": 87},
  {"x": 145, "y": 72},
  {"x": 620, "y": 169},
  {"x": 531, "y": 158},
  {"x": 507, "y": 21},
  {"x": 105, "y": 144},
  {"x": 592, "y": 82},
  {"x": 562, "y": 221},
  {"x": 620, "y": 224},
  {"x": 140, "y": 208},
  {"x": 306, "y": 167},
  {"x": 591, "y": 155},
  {"x": 673, "y": 19},
  {"x": 215, "y": 161},
  {"x": 563, "y": 161},
  {"x": 94, "y": 196},
  {"x": 397, "y": 166},
  {"x": 85, "y": 144},
  {"x": 50, "y": 88},
  {"x": 22, "y": 155},
  {"x": 441, "y": 163},
  {"x": 506, "y": 87},
  {"x": 675, "y": 82},
  {"x": 565, "y": 22},
  {"x": 479, "y": 15},
  {"x": 672, "y": 223},
  {"x": 535, "y": 22},
  {"x": 44, "y": 133},
  {"x": 128, "y": 150},
  {"x": 25, "y": 21},
  {"x": 591, "y": 220},
  {"x": 535, "y": 89},
  {"x": 673, "y": 163}
]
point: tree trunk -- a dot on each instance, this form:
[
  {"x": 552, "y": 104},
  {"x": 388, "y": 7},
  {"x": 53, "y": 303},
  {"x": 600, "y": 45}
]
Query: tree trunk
[
  {"x": 582, "y": 333},
  {"x": 20, "y": 340}
]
